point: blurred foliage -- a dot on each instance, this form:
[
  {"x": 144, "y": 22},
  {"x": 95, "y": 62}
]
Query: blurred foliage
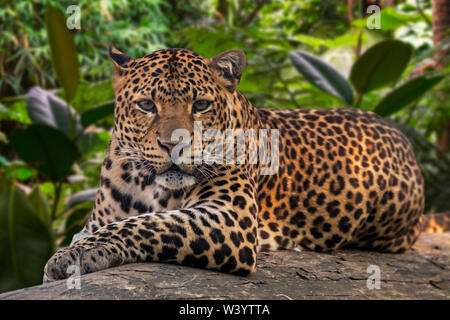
[
  {"x": 300, "y": 54},
  {"x": 140, "y": 26}
]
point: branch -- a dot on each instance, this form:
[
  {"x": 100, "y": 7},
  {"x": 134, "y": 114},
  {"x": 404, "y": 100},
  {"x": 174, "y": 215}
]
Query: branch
[
  {"x": 420, "y": 273},
  {"x": 254, "y": 12}
]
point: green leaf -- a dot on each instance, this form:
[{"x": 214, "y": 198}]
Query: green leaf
[
  {"x": 390, "y": 19},
  {"x": 15, "y": 111},
  {"x": 389, "y": 22},
  {"x": 405, "y": 94},
  {"x": 94, "y": 114},
  {"x": 63, "y": 50},
  {"x": 24, "y": 174},
  {"x": 47, "y": 148},
  {"x": 20, "y": 173},
  {"x": 380, "y": 65},
  {"x": 349, "y": 38},
  {"x": 45, "y": 107},
  {"x": 26, "y": 243},
  {"x": 322, "y": 75}
]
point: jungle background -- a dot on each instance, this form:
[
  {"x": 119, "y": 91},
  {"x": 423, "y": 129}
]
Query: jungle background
[{"x": 56, "y": 99}]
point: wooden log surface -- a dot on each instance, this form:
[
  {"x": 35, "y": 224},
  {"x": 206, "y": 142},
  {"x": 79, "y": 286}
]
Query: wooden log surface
[{"x": 421, "y": 273}]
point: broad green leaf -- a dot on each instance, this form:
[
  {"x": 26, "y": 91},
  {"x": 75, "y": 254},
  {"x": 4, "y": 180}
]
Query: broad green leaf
[
  {"x": 63, "y": 50},
  {"x": 405, "y": 94},
  {"x": 310, "y": 40},
  {"x": 404, "y": 17},
  {"x": 20, "y": 173},
  {"x": 15, "y": 111},
  {"x": 322, "y": 75},
  {"x": 45, "y": 107},
  {"x": 94, "y": 114},
  {"x": 47, "y": 148},
  {"x": 390, "y": 19},
  {"x": 347, "y": 39},
  {"x": 26, "y": 243},
  {"x": 380, "y": 65}
]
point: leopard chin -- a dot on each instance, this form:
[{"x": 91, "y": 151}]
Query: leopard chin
[{"x": 175, "y": 180}]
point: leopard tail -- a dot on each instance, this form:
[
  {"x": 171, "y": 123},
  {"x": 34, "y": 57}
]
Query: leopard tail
[{"x": 436, "y": 222}]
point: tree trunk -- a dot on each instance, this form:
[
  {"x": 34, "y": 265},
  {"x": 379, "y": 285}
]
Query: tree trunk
[
  {"x": 441, "y": 27},
  {"x": 222, "y": 10},
  {"x": 367, "y": 3},
  {"x": 420, "y": 273},
  {"x": 350, "y": 4}
]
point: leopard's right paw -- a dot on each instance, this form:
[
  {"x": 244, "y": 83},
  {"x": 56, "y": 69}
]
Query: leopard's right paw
[
  {"x": 87, "y": 259},
  {"x": 57, "y": 266}
]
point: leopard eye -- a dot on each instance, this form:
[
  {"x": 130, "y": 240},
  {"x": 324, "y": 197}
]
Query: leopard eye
[
  {"x": 201, "y": 105},
  {"x": 146, "y": 105}
]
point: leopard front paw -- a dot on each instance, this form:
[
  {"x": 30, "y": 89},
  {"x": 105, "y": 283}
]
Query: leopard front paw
[{"x": 80, "y": 260}]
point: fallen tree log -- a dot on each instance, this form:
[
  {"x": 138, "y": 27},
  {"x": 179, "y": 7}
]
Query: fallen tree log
[{"x": 420, "y": 273}]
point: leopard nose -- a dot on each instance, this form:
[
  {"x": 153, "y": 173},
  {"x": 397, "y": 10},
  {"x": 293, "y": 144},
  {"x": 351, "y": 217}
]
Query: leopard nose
[{"x": 166, "y": 146}]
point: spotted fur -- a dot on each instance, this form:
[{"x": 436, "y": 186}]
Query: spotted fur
[{"x": 346, "y": 177}]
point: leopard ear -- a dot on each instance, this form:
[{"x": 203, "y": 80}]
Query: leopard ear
[
  {"x": 120, "y": 62},
  {"x": 119, "y": 59},
  {"x": 229, "y": 65}
]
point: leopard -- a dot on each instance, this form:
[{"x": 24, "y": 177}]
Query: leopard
[{"x": 345, "y": 177}]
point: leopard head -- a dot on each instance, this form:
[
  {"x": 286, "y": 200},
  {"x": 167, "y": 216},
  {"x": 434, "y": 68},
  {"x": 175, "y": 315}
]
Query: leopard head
[{"x": 165, "y": 95}]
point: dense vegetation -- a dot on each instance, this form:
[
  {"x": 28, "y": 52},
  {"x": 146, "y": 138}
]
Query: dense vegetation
[{"x": 56, "y": 100}]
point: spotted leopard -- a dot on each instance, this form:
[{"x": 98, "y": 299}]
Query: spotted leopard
[{"x": 346, "y": 178}]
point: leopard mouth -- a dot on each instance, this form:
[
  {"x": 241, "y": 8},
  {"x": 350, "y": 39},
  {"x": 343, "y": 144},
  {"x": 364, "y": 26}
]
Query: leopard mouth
[
  {"x": 174, "y": 168},
  {"x": 175, "y": 179}
]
